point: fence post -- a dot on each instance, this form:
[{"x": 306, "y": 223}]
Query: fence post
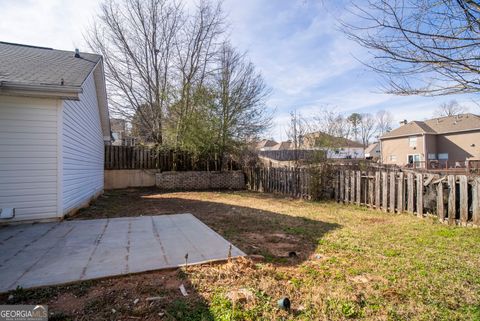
[
  {"x": 384, "y": 191},
  {"x": 359, "y": 187},
  {"x": 463, "y": 199},
  {"x": 347, "y": 189},
  {"x": 452, "y": 211},
  {"x": 392, "y": 192},
  {"x": 476, "y": 201},
  {"x": 370, "y": 189},
  {"x": 352, "y": 187},
  {"x": 420, "y": 195},
  {"x": 410, "y": 182},
  {"x": 401, "y": 193},
  {"x": 377, "y": 190},
  {"x": 342, "y": 185},
  {"x": 440, "y": 204}
]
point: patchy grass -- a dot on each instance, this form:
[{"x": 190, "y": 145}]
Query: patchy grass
[{"x": 350, "y": 263}]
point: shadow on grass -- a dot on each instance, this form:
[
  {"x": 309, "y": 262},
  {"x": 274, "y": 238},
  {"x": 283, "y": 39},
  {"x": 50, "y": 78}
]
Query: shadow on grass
[{"x": 282, "y": 239}]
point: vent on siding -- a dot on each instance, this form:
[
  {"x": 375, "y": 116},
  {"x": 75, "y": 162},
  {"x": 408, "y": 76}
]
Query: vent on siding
[{"x": 7, "y": 213}]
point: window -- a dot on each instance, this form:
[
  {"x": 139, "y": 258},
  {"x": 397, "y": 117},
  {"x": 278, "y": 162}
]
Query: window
[
  {"x": 443, "y": 156},
  {"x": 412, "y": 141},
  {"x": 393, "y": 158},
  {"x": 432, "y": 156}
]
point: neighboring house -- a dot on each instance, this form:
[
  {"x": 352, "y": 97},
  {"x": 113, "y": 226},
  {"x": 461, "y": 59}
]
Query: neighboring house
[
  {"x": 335, "y": 147},
  {"x": 372, "y": 151},
  {"x": 266, "y": 144},
  {"x": 439, "y": 142},
  {"x": 54, "y": 123},
  {"x": 286, "y": 145},
  {"x": 119, "y": 133}
]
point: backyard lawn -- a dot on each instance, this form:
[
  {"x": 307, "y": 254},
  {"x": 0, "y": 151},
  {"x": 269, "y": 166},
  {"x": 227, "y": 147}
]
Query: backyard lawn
[{"x": 348, "y": 263}]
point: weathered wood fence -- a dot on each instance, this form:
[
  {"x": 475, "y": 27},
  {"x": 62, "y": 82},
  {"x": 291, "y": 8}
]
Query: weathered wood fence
[
  {"x": 452, "y": 198},
  {"x": 294, "y": 182},
  {"x": 137, "y": 157},
  {"x": 291, "y": 154}
]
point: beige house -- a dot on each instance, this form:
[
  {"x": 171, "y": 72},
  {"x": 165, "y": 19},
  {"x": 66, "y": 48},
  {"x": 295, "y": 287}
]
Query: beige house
[
  {"x": 373, "y": 151},
  {"x": 434, "y": 143}
]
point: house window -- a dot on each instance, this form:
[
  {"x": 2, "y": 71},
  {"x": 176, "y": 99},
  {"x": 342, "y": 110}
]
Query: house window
[
  {"x": 432, "y": 156},
  {"x": 393, "y": 158},
  {"x": 443, "y": 156},
  {"x": 412, "y": 141}
]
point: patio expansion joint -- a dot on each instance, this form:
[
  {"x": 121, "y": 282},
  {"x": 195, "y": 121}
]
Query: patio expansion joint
[
  {"x": 186, "y": 238},
  {"x": 157, "y": 237},
  {"x": 127, "y": 256},
  {"x": 29, "y": 244},
  {"x": 97, "y": 242},
  {"x": 61, "y": 238},
  {"x": 10, "y": 237}
]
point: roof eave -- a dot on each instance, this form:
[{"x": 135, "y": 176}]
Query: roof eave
[{"x": 41, "y": 91}]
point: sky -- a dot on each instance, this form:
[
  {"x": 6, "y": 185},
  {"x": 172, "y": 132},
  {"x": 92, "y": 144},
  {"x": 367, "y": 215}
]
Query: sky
[{"x": 307, "y": 62}]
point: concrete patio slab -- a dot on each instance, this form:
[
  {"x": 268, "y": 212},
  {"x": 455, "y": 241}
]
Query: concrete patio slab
[{"x": 35, "y": 255}]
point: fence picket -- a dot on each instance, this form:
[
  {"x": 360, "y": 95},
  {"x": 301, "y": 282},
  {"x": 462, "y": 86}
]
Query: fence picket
[
  {"x": 358, "y": 187},
  {"x": 440, "y": 204},
  {"x": 410, "y": 192},
  {"x": 377, "y": 190},
  {"x": 392, "y": 192},
  {"x": 452, "y": 199},
  {"x": 476, "y": 201},
  {"x": 401, "y": 193},
  {"x": 384, "y": 191},
  {"x": 463, "y": 199},
  {"x": 419, "y": 194}
]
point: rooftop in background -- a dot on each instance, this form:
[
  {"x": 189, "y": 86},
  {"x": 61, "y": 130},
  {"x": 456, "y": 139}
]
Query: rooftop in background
[
  {"x": 320, "y": 139},
  {"x": 441, "y": 125},
  {"x": 45, "y": 67},
  {"x": 266, "y": 143}
]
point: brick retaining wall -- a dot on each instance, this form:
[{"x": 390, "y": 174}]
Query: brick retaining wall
[{"x": 196, "y": 180}]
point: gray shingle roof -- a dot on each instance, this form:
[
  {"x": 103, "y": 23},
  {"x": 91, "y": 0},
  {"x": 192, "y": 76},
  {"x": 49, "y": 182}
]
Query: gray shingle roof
[
  {"x": 31, "y": 65},
  {"x": 442, "y": 125}
]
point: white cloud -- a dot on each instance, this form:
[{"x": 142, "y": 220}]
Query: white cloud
[
  {"x": 295, "y": 43},
  {"x": 54, "y": 23}
]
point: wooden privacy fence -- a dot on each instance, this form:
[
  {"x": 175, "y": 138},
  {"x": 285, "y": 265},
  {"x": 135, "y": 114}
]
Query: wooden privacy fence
[
  {"x": 452, "y": 198},
  {"x": 137, "y": 157},
  {"x": 294, "y": 182}
]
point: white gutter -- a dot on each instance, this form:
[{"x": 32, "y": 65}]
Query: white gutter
[{"x": 48, "y": 91}]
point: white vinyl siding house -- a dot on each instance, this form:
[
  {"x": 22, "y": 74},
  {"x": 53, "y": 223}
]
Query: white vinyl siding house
[
  {"x": 51, "y": 138},
  {"x": 29, "y": 156},
  {"x": 82, "y": 148}
]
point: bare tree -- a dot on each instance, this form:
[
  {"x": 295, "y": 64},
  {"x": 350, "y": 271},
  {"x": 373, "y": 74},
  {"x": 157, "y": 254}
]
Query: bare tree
[
  {"x": 238, "y": 106},
  {"x": 367, "y": 128},
  {"x": 427, "y": 47},
  {"x": 384, "y": 121},
  {"x": 196, "y": 48},
  {"x": 332, "y": 122},
  {"x": 297, "y": 129},
  {"x": 296, "y": 132},
  {"x": 450, "y": 108},
  {"x": 355, "y": 120},
  {"x": 155, "y": 55}
]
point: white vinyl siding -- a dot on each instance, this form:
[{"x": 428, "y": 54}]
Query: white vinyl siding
[
  {"x": 82, "y": 149},
  {"x": 28, "y": 156}
]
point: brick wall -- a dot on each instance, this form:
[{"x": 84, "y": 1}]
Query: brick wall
[{"x": 193, "y": 180}]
